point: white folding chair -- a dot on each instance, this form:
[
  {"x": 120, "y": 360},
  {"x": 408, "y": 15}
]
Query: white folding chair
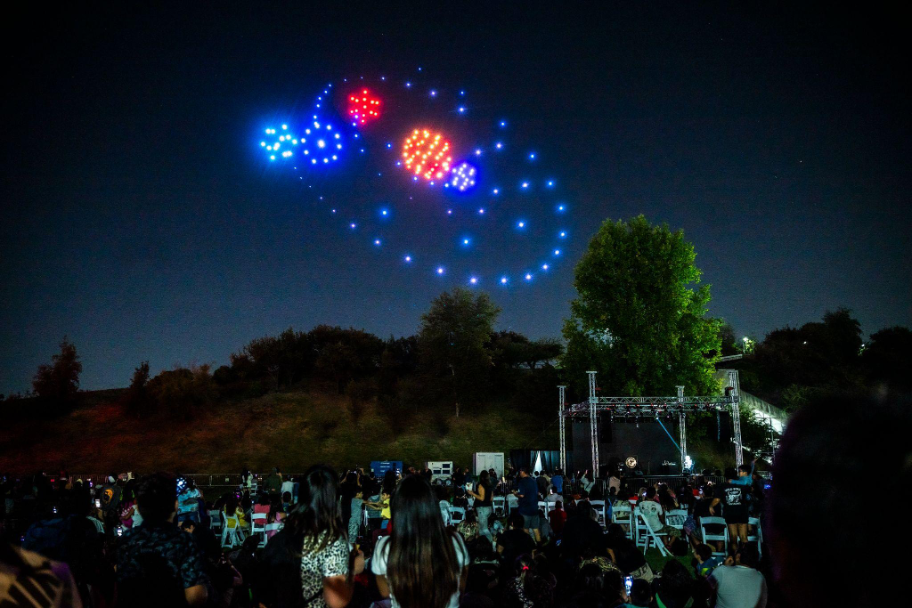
[
  {"x": 646, "y": 536},
  {"x": 258, "y": 526},
  {"x": 500, "y": 505},
  {"x": 623, "y": 514},
  {"x": 545, "y": 506},
  {"x": 271, "y": 530},
  {"x": 755, "y": 534},
  {"x": 457, "y": 514},
  {"x": 599, "y": 506},
  {"x": 708, "y": 537},
  {"x": 215, "y": 520},
  {"x": 676, "y": 518},
  {"x": 232, "y": 533}
]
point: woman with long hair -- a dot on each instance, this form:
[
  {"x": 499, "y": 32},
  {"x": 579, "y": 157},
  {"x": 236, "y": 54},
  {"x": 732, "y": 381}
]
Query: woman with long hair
[
  {"x": 421, "y": 564},
  {"x": 309, "y": 562}
]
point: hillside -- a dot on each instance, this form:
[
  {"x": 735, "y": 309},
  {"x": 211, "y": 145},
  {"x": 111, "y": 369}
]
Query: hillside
[{"x": 288, "y": 429}]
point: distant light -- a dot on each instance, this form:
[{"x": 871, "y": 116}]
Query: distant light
[
  {"x": 498, "y": 145},
  {"x": 334, "y": 210},
  {"x": 525, "y": 184},
  {"x": 449, "y": 212},
  {"x": 284, "y": 126},
  {"x": 462, "y": 92},
  {"x": 496, "y": 191},
  {"x": 563, "y": 234},
  {"x": 544, "y": 267},
  {"x": 550, "y": 183},
  {"x": 389, "y": 145},
  {"x": 408, "y": 85},
  {"x": 272, "y": 157},
  {"x": 262, "y": 143},
  {"x": 521, "y": 224},
  {"x": 465, "y": 241},
  {"x": 473, "y": 281},
  {"x": 560, "y": 207},
  {"x": 384, "y": 212},
  {"x": 377, "y": 242},
  {"x": 532, "y": 156},
  {"x": 528, "y": 277},
  {"x": 440, "y": 270},
  {"x": 481, "y": 211},
  {"x": 321, "y": 143},
  {"x": 503, "y": 280},
  {"x": 557, "y": 252},
  {"x": 503, "y": 123},
  {"x": 408, "y": 258},
  {"x": 433, "y": 93},
  {"x": 462, "y": 109},
  {"x": 353, "y": 225},
  {"x": 477, "y": 151}
]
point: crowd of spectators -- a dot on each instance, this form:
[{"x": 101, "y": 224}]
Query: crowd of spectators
[{"x": 412, "y": 540}]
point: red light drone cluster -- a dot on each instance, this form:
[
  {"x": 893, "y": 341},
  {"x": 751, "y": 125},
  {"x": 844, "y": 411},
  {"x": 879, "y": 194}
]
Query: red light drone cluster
[
  {"x": 363, "y": 107},
  {"x": 426, "y": 154}
]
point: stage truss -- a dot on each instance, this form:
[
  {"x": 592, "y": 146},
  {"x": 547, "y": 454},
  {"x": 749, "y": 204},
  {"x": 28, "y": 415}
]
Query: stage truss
[{"x": 644, "y": 407}]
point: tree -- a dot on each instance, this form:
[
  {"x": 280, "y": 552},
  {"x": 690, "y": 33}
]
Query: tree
[
  {"x": 183, "y": 390},
  {"x": 637, "y": 319},
  {"x": 728, "y": 342},
  {"x": 137, "y": 399},
  {"x": 452, "y": 341},
  {"x": 792, "y": 366},
  {"x": 544, "y": 351},
  {"x": 58, "y": 383},
  {"x": 887, "y": 360}
]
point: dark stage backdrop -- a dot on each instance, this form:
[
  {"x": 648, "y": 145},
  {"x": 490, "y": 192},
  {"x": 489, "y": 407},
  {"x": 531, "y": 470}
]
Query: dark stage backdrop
[
  {"x": 647, "y": 442},
  {"x": 550, "y": 459}
]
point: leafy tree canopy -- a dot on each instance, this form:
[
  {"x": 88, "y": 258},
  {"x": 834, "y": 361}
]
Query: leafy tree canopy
[
  {"x": 637, "y": 319},
  {"x": 452, "y": 339}
]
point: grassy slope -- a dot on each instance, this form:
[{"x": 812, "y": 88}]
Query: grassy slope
[{"x": 291, "y": 430}]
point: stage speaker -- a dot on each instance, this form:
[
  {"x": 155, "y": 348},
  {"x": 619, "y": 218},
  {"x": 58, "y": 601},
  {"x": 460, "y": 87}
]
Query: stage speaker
[
  {"x": 605, "y": 428},
  {"x": 725, "y": 428}
]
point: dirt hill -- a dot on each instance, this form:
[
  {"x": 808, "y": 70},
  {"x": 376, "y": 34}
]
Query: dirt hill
[{"x": 292, "y": 430}]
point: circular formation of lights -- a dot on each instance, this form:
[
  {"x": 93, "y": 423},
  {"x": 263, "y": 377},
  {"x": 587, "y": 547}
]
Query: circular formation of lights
[
  {"x": 426, "y": 154},
  {"x": 315, "y": 143},
  {"x": 363, "y": 107},
  {"x": 463, "y": 176}
]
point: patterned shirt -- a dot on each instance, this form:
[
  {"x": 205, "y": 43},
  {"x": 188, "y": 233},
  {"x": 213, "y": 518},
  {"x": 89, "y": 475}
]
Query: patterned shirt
[
  {"x": 317, "y": 565},
  {"x": 160, "y": 560}
]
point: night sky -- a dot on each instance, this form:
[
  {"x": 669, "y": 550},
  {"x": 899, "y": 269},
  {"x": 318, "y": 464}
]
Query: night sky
[{"x": 141, "y": 218}]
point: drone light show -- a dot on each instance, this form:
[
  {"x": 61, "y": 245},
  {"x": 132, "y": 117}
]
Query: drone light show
[
  {"x": 315, "y": 142},
  {"x": 426, "y": 154},
  {"x": 463, "y": 176},
  {"x": 363, "y": 107},
  {"x": 379, "y": 193}
]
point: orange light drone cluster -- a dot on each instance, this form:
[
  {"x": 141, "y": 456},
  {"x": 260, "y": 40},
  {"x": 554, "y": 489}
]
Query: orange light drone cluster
[
  {"x": 426, "y": 154},
  {"x": 363, "y": 107}
]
